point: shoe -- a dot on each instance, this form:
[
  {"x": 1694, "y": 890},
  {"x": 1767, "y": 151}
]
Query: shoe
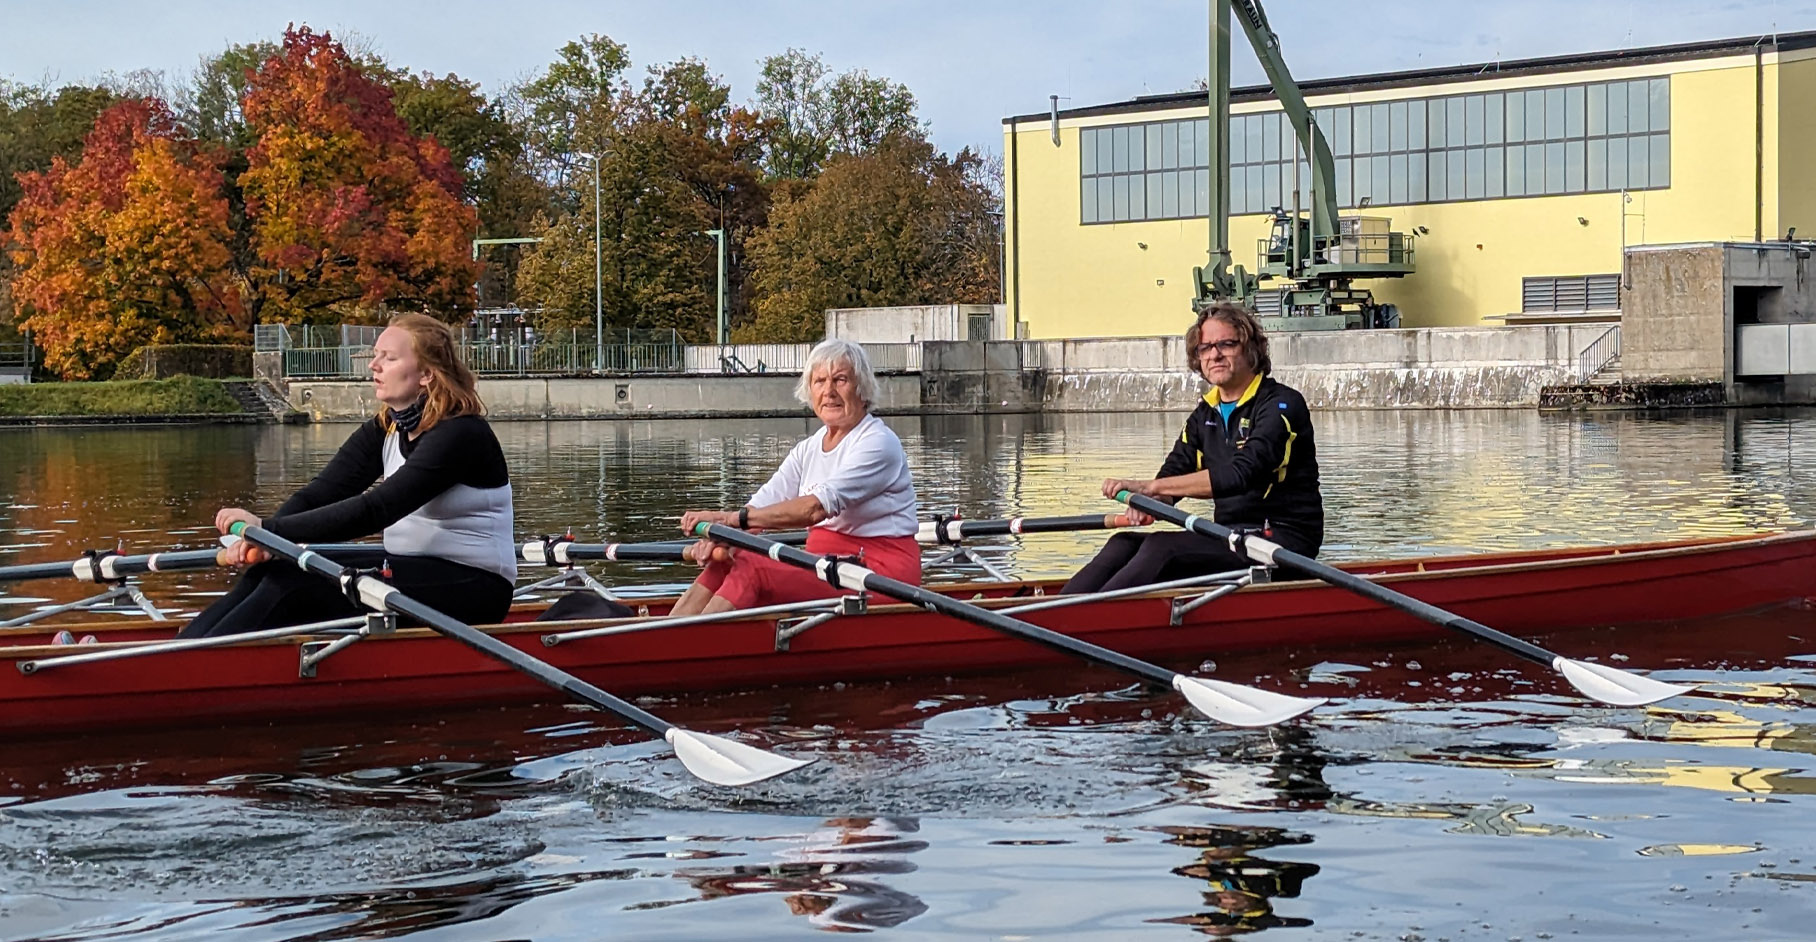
[
  {"x": 63, "y": 637},
  {"x": 89, "y": 639}
]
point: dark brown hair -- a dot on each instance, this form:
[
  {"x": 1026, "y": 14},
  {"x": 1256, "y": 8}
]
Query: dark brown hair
[
  {"x": 1247, "y": 328},
  {"x": 453, "y": 390}
]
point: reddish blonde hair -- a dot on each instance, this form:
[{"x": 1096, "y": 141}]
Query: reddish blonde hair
[{"x": 453, "y": 389}]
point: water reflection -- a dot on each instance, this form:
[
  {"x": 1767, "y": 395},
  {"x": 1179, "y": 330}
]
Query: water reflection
[
  {"x": 1239, "y": 886},
  {"x": 833, "y": 877}
]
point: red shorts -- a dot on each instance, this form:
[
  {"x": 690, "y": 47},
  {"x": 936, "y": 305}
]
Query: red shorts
[{"x": 753, "y": 579}]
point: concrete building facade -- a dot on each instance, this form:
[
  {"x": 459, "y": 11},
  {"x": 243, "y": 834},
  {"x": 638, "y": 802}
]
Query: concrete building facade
[{"x": 1523, "y": 181}]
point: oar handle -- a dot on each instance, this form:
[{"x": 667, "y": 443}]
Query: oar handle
[{"x": 1264, "y": 550}]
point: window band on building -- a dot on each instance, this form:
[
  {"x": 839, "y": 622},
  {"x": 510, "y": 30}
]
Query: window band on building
[{"x": 1595, "y": 137}]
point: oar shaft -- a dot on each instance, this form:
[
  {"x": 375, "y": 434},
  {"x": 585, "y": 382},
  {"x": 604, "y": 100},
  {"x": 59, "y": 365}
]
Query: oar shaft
[
  {"x": 851, "y": 575},
  {"x": 379, "y": 596},
  {"x": 560, "y": 553},
  {"x": 954, "y": 531},
  {"x": 1264, "y": 550}
]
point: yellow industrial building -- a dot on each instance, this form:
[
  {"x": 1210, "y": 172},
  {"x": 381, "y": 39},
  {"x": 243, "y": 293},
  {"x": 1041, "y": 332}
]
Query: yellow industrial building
[{"x": 1523, "y": 182}]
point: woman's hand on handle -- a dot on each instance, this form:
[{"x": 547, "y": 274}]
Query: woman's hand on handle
[{"x": 244, "y": 552}]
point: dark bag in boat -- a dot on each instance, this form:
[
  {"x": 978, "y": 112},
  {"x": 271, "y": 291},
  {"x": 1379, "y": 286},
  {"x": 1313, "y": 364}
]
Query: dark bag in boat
[{"x": 575, "y": 605}]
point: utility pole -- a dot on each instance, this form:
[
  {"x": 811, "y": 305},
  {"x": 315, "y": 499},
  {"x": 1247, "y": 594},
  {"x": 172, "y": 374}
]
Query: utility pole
[{"x": 724, "y": 328}]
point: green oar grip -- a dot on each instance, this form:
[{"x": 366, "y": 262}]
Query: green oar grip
[
  {"x": 1122, "y": 496},
  {"x": 238, "y": 528},
  {"x": 700, "y": 528}
]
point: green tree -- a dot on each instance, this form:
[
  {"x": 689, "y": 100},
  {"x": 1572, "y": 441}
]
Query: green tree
[
  {"x": 813, "y": 115},
  {"x": 210, "y": 103},
  {"x": 902, "y": 224}
]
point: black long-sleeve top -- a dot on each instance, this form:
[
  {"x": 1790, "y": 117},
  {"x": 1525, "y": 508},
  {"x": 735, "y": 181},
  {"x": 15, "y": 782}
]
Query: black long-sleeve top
[
  {"x": 1263, "y": 463},
  {"x": 341, "y": 504}
]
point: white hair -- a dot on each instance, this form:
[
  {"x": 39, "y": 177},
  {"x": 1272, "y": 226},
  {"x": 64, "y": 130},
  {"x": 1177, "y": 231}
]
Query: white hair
[{"x": 836, "y": 350}]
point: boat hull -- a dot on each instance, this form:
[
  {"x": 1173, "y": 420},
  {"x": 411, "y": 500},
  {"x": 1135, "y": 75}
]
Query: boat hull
[{"x": 1520, "y": 593}]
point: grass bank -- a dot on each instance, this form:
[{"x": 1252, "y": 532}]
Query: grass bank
[{"x": 180, "y": 395}]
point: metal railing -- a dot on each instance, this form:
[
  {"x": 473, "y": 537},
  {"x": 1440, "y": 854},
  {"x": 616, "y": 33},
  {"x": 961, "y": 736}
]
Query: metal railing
[
  {"x": 572, "y": 353},
  {"x": 1598, "y": 354}
]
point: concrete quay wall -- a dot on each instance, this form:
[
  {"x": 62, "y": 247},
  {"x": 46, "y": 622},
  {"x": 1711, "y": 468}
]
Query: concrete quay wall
[
  {"x": 1496, "y": 367},
  {"x": 629, "y": 397}
]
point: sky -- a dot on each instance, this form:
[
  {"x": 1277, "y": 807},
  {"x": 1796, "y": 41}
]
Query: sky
[{"x": 969, "y": 64}]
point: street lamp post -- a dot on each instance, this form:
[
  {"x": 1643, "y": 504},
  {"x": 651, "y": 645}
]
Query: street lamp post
[
  {"x": 598, "y": 275},
  {"x": 724, "y": 328}
]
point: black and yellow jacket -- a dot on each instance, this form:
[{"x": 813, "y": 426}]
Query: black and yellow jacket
[{"x": 1263, "y": 463}]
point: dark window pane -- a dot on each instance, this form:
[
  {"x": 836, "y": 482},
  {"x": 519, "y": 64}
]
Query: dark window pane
[
  {"x": 1188, "y": 144},
  {"x": 1573, "y": 111},
  {"x": 1597, "y": 161},
  {"x": 1535, "y": 169},
  {"x": 1396, "y": 124},
  {"x": 1087, "y": 151},
  {"x": 1169, "y": 145},
  {"x": 1617, "y": 108},
  {"x": 1382, "y": 132},
  {"x": 1344, "y": 197},
  {"x": 1597, "y": 109},
  {"x": 1120, "y": 206},
  {"x": 1363, "y": 118},
  {"x": 1156, "y": 202},
  {"x": 1617, "y": 159},
  {"x": 1439, "y": 172},
  {"x": 1495, "y": 121},
  {"x": 1155, "y": 158},
  {"x": 1379, "y": 187},
  {"x": 1573, "y": 166},
  {"x": 1104, "y": 141},
  {"x": 1257, "y": 188},
  {"x": 1188, "y": 197},
  {"x": 1661, "y": 104},
  {"x": 1087, "y": 200},
  {"x": 1453, "y": 122},
  {"x": 1516, "y": 117},
  {"x": 1638, "y": 159},
  {"x": 1474, "y": 115},
  {"x": 1138, "y": 196},
  {"x": 1661, "y": 160},
  {"x": 1554, "y": 113},
  {"x": 1364, "y": 188},
  {"x": 1516, "y": 170},
  {"x": 1535, "y": 114},
  {"x": 1339, "y": 128},
  {"x": 1416, "y": 191},
  {"x": 1138, "y": 146},
  {"x": 1639, "y": 105},
  {"x": 1169, "y": 195},
  {"x": 1415, "y": 125},
  {"x": 1434, "y": 116},
  {"x": 1455, "y": 177},
  {"x": 1475, "y": 185},
  {"x": 1496, "y": 163},
  {"x": 1554, "y": 167},
  {"x": 1119, "y": 150},
  {"x": 1238, "y": 139},
  {"x": 1396, "y": 180}
]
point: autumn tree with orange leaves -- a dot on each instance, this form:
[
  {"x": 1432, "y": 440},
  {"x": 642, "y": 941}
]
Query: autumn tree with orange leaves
[
  {"x": 126, "y": 248},
  {"x": 350, "y": 214}
]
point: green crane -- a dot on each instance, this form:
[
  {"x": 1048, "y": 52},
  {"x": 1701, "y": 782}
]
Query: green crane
[{"x": 1310, "y": 258}]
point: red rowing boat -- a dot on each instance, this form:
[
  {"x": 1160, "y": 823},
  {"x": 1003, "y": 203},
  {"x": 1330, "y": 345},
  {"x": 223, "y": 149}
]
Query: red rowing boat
[{"x": 128, "y": 680}]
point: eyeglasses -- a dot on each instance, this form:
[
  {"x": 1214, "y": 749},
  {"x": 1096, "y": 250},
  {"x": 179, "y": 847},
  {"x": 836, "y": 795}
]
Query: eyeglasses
[{"x": 1225, "y": 347}]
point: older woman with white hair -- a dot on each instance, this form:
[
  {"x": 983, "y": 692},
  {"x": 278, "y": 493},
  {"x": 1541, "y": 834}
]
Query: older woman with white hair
[{"x": 848, "y": 483}]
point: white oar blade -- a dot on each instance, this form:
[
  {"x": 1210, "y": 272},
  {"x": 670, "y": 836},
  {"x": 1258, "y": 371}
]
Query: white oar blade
[
  {"x": 1616, "y": 686},
  {"x": 724, "y": 762},
  {"x": 1241, "y": 706}
]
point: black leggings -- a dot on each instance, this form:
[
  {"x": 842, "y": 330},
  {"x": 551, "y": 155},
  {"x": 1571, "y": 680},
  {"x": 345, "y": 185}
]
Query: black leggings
[
  {"x": 1136, "y": 559},
  {"x": 277, "y": 594}
]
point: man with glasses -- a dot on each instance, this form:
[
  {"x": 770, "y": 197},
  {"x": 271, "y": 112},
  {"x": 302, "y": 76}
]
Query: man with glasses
[{"x": 1247, "y": 446}]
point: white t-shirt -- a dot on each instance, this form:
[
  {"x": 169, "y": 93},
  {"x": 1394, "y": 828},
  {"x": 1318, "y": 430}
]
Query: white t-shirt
[{"x": 863, "y": 482}]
